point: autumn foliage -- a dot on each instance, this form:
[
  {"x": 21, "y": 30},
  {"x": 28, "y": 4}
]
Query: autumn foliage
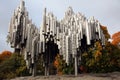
[
  {"x": 116, "y": 38},
  {"x": 62, "y": 67},
  {"x": 12, "y": 65},
  {"x": 96, "y": 59},
  {"x": 102, "y": 58},
  {"x": 5, "y": 55},
  {"x": 58, "y": 63}
]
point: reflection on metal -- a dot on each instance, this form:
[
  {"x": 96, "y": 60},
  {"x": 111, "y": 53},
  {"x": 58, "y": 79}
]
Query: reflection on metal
[{"x": 71, "y": 36}]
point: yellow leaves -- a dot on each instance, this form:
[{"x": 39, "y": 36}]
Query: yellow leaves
[
  {"x": 98, "y": 46},
  {"x": 97, "y": 55},
  {"x": 97, "y": 52}
]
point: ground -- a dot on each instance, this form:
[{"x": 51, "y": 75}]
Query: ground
[{"x": 107, "y": 76}]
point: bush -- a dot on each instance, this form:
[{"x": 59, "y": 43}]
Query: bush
[
  {"x": 12, "y": 67},
  {"x": 5, "y": 55},
  {"x": 101, "y": 60}
]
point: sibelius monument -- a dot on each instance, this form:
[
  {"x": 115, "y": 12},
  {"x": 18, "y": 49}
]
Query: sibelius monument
[{"x": 69, "y": 37}]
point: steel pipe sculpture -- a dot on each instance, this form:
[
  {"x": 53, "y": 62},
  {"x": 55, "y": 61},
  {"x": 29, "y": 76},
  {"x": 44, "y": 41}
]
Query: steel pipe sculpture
[{"x": 72, "y": 35}]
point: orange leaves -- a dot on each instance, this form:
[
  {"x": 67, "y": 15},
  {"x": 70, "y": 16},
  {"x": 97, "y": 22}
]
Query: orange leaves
[
  {"x": 116, "y": 38},
  {"x": 97, "y": 55},
  {"x": 5, "y": 55},
  {"x": 58, "y": 63},
  {"x": 116, "y": 35}
]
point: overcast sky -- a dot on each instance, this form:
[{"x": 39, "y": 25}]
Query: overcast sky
[{"x": 106, "y": 11}]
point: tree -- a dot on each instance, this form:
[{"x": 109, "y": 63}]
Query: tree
[
  {"x": 116, "y": 38},
  {"x": 62, "y": 67},
  {"x": 5, "y": 55},
  {"x": 13, "y": 66},
  {"x": 114, "y": 55},
  {"x": 59, "y": 64},
  {"x": 101, "y": 59},
  {"x": 91, "y": 58}
]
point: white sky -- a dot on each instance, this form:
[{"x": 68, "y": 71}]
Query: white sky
[{"x": 106, "y": 11}]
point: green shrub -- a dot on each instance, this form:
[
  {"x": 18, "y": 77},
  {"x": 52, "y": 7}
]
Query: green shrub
[{"x": 12, "y": 67}]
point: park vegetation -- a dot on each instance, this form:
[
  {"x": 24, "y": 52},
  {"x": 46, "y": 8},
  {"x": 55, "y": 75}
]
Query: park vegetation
[
  {"x": 98, "y": 59},
  {"x": 12, "y": 65}
]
